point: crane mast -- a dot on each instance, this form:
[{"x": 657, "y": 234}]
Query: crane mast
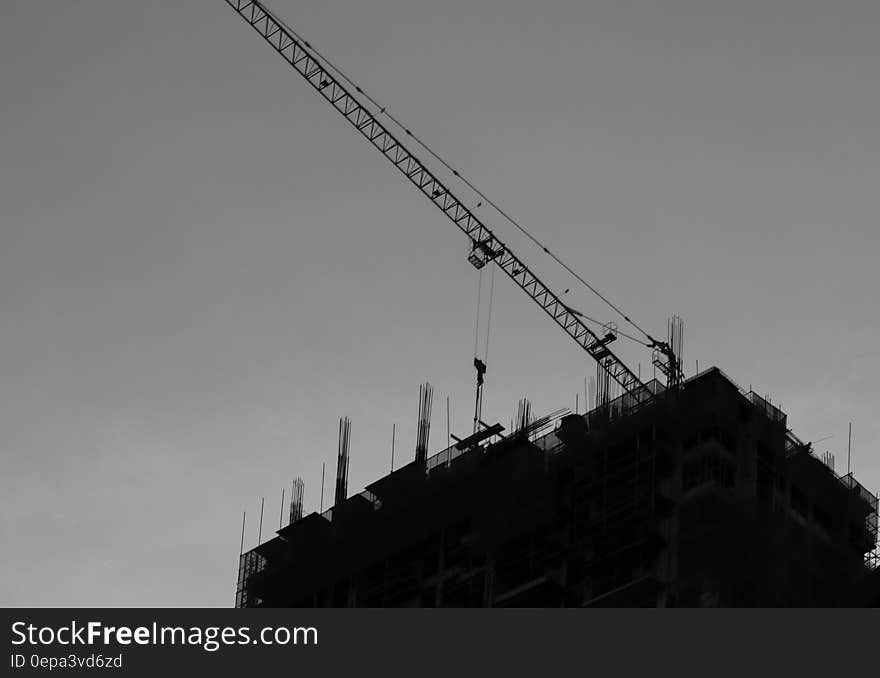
[{"x": 486, "y": 247}]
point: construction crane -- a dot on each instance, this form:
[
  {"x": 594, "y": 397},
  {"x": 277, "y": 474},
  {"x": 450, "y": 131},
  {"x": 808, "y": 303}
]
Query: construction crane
[{"x": 485, "y": 246}]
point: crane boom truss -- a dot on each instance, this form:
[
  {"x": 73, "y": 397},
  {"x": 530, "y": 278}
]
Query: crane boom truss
[{"x": 295, "y": 52}]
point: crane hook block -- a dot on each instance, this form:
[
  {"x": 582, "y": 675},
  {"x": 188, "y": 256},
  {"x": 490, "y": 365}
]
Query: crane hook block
[{"x": 481, "y": 370}]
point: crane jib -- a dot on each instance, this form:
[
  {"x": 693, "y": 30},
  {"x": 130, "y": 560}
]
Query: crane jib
[{"x": 295, "y": 52}]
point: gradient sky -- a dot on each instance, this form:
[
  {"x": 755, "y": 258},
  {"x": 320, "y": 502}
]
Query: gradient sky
[{"x": 202, "y": 266}]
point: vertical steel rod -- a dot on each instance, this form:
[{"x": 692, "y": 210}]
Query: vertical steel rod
[
  {"x": 241, "y": 548},
  {"x": 321, "y": 510}
]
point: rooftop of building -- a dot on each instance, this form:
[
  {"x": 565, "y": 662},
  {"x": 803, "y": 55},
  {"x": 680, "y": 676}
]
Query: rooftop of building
[{"x": 544, "y": 434}]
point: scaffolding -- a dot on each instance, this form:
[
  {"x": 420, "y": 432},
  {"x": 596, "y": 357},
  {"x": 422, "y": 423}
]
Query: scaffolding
[
  {"x": 250, "y": 564},
  {"x": 870, "y": 503}
]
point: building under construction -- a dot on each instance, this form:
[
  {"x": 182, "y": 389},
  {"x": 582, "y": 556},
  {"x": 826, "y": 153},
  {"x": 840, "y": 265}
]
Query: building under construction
[
  {"x": 689, "y": 493},
  {"x": 702, "y": 498}
]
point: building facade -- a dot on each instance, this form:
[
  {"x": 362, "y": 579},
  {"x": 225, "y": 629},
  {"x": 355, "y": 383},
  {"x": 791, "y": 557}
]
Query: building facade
[{"x": 702, "y": 498}]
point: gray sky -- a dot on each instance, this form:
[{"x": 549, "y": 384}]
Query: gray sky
[{"x": 202, "y": 267}]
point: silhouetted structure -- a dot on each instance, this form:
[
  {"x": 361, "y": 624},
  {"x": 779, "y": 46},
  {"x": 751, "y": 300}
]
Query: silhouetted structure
[
  {"x": 868, "y": 593},
  {"x": 701, "y": 498}
]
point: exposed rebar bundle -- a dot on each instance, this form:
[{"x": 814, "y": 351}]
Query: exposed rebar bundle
[
  {"x": 297, "y": 489},
  {"x": 523, "y": 415},
  {"x": 676, "y": 342},
  {"x": 426, "y": 400},
  {"x": 342, "y": 460},
  {"x": 593, "y": 399}
]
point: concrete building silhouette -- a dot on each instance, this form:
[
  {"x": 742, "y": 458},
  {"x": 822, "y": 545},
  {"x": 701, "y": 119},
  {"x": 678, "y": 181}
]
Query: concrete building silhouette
[
  {"x": 868, "y": 594},
  {"x": 703, "y": 498}
]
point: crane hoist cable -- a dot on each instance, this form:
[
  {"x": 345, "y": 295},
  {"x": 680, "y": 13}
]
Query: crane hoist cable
[
  {"x": 383, "y": 110},
  {"x": 489, "y": 314},
  {"x": 477, "y": 319},
  {"x": 485, "y": 355},
  {"x": 480, "y": 364}
]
